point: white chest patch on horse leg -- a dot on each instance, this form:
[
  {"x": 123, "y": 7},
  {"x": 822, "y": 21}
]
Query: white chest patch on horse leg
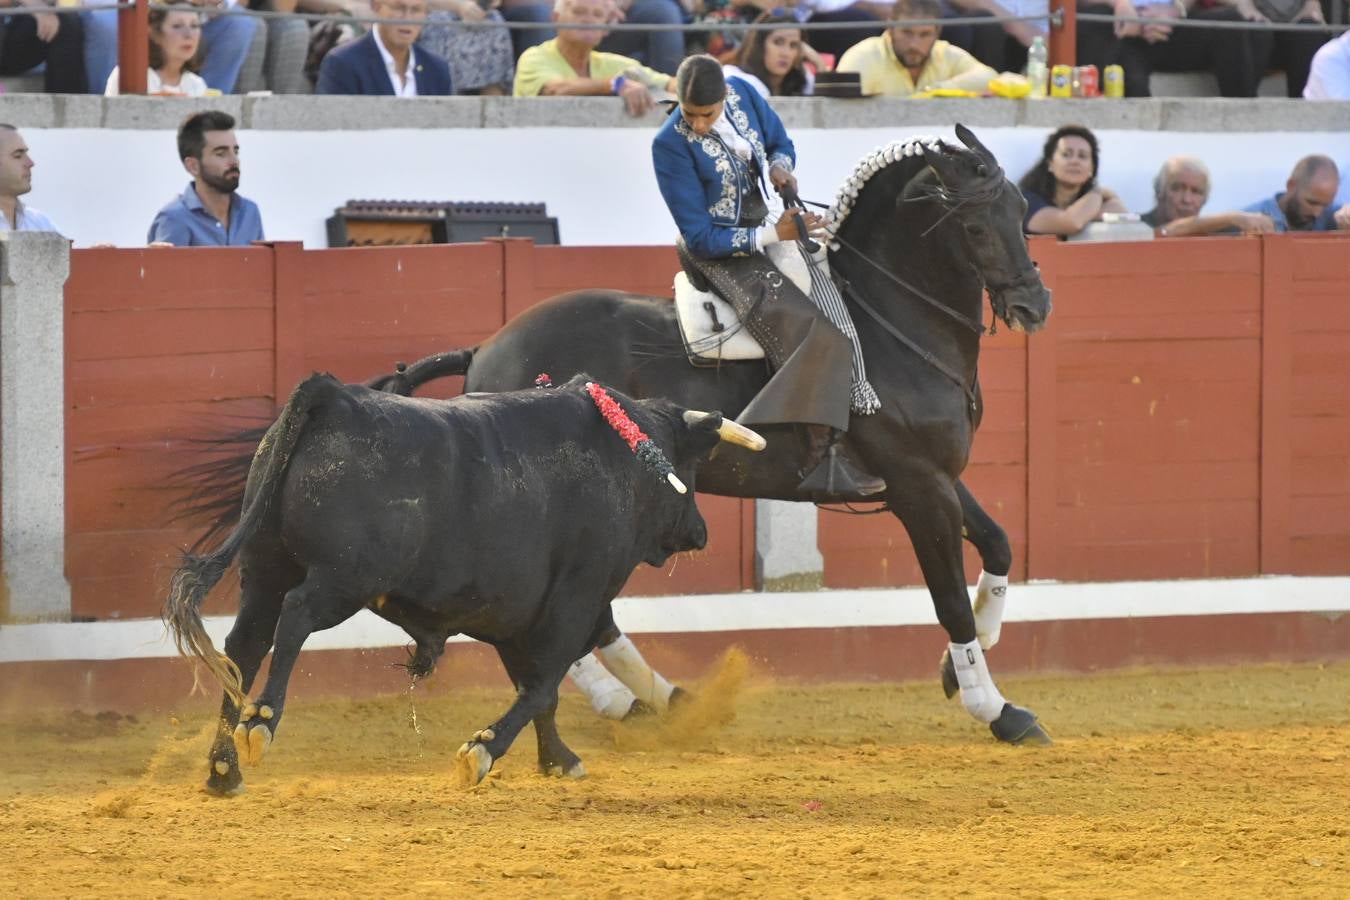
[
  {"x": 979, "y": 695},
  {"x": 624, "y": 660},
  {"x": 991, "y": 592},
  {"x": 607, "y": 694}
]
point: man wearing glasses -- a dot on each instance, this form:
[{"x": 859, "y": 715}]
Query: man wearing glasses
[{"x": 387, "y": 61}]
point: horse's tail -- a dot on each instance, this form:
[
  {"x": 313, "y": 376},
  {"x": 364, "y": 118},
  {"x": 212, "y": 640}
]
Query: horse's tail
[
  {"x": 200, "y": 572},
  {"x": 406, "y": 379}
]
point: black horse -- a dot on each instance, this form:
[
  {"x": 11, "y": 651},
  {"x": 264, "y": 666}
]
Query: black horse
[{"x": 920, "y": 231}]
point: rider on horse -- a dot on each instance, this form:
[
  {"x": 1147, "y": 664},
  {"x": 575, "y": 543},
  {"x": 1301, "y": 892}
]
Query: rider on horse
[{"x": 711, "y": 158}]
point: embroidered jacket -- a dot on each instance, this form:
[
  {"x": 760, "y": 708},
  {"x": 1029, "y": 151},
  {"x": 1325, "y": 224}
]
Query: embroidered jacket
[{"x": 703, "y": 181}]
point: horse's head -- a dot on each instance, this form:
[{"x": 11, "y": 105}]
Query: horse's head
[{"x": 970, "y": 186}]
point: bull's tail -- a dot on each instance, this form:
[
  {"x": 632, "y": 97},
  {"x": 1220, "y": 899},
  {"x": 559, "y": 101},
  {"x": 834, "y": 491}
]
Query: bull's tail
[
  {"x": 407, "y": 379},
  {"x": 199, "y": 573}
]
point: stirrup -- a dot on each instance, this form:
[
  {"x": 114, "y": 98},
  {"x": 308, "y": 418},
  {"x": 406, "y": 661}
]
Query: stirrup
[{"x": 836, "y": 476}]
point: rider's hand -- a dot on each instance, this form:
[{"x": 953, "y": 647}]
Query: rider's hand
[
  {"x": 782, "y": 179},
  {"x": 787, "y": 226}
]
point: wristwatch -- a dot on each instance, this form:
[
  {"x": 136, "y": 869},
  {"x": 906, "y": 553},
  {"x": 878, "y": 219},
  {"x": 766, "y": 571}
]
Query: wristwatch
[{"x": 617, "y": 84}]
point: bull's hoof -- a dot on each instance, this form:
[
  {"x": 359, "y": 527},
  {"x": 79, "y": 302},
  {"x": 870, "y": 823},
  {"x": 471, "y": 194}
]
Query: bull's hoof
[
  {"x": 950, "y": 686},
  {"x": 225, "y": 779},
  {"x": 576, "y": 770},
  {"x": 472, "y": 763},
  {"x": 638, "y": 710},
  {"x": 250, "y": 742},
  {"x": 678, "y": 697},
  {"x": 1016, "y": 725}
]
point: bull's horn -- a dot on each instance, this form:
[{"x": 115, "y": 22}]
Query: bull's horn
[{"x": 729, "y": 431}]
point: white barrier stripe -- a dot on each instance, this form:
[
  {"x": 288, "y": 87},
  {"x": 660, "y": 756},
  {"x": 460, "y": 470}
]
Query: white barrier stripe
[{"x": 1035, "y": 602}]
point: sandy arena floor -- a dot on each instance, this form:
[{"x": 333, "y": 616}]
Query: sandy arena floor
[{"x": 1224, "y": 782}]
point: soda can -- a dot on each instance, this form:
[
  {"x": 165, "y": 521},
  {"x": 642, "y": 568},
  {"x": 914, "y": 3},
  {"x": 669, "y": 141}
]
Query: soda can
[
  {"x": 1061, "y": 81},
  {"x": 1085, "y": 82},
  {"x": 1113, "y": 81}
]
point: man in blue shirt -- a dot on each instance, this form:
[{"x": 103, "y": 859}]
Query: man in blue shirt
[
  {"x": 16, "y": 179},
  {"x": 208, "y": 213},
  {"x": 1309, "y": 199}
]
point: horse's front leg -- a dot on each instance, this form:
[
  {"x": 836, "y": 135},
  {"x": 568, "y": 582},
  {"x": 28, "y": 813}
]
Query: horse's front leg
[
  {"x": 989, "y": 538},
  {"x": 930, "y": 508}
]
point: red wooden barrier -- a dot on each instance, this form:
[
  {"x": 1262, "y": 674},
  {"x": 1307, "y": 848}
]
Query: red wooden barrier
[{"x": 1183, "y": 415}]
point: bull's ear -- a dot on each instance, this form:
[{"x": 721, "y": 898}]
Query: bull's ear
[{"x": 702, "y": 421}]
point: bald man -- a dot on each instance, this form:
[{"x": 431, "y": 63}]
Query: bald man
[{"x": 1309, "y": 199}]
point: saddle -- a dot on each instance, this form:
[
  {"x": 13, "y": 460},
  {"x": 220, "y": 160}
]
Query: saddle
[{"x": 709, "y": 325}]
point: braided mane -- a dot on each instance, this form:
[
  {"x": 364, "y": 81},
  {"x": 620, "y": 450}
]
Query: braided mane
[{"x": 870, "y": 165}]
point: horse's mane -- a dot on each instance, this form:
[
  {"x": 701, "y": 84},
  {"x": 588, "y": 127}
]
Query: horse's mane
[{"x": 904, "y": 157}]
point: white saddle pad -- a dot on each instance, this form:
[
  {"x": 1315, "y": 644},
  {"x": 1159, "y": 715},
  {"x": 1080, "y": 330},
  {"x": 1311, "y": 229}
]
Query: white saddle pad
[{"x": 732, "y": 342}]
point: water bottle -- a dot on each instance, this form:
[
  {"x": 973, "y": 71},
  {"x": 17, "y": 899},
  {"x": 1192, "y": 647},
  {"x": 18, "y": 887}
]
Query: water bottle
[{"x": 1038, "y": 75}]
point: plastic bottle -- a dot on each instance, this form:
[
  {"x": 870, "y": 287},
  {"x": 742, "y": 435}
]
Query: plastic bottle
[{"x": 1038, "y": 74}]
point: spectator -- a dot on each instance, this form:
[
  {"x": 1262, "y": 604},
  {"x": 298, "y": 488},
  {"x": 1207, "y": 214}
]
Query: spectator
[
  {"x": 660, "y": 50},
  {"x": 773, "y": 62},
  {"x": 175, "y": 50},
  {"x": 16, "y": 179},
  {"x": 1291, "y": 51},
  {"x": 869, "y": 14},
  {"x": 724, "y": 45},
  {"x": 225, "y": 44},
  {"x": 909, "y": 57},
  {"x": 387, "y": 60},
  {"x": 1329, "y": 78},
  {"x": 1061, "y": 190},
  {"x": 481, "y": 60},
  {"x": 1180, "y": 190},
  {"x": 1002, "y": 47},
  {"x": 276, "y": 59},
  {"x": 532, "y": 12},
  {"x": 209, "y": 213},
  {"x": 1308, "y": 201},
  {"x": 569, "y": 65},
  {"x": 30, "y": 40}
]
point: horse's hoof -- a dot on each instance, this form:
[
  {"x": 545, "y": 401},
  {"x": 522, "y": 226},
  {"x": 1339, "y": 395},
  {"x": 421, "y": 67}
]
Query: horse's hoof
[
  {"x": 1016, "y": 725},
  {"x": 678, "y": 697},
  {"x": 578, "y": 771},
  {"x": 638, "y": 710},
  {"x": 950, "y": 686},
  {"x": 251, "y": 743},
  {"x": 472, "y": 763}
]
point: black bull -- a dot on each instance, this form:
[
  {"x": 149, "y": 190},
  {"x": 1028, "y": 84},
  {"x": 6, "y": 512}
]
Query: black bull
[{"x": 512, "y": 518}]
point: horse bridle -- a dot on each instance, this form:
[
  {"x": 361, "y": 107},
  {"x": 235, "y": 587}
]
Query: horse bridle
[{"x": 981, "y": 194}]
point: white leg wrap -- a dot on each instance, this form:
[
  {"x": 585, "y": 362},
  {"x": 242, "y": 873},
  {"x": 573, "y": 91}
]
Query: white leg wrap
[
  {"x": 978, "y": 693},
  {"x": 624, "y": 660},
  {"x": 607, "y": 694},
  {"x": 990, "y": 595}
]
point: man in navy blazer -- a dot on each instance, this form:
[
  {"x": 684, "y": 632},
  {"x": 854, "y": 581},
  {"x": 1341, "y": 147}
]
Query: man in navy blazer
[{"x": 387, "y": 61}]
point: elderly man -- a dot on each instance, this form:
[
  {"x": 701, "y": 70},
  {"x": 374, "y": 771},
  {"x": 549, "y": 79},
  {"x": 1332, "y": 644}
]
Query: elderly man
[
  {"x": 1180, "y": 190},
  {"x": 569, "y": 65},
  {"x": 387, "y": 61},
  {"x": 910, "y": 58},
  {"x": 16, "y": 179},
  {"x": 1309, "y": 199}
]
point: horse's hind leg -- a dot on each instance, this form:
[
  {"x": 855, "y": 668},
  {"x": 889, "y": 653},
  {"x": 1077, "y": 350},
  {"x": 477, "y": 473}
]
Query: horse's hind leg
[
  {"x": 989, "y": 538},
  {"x": 261, "y": 590},
  {"x": 931, "y": 510},
  {"x": 623, "y": 658}
]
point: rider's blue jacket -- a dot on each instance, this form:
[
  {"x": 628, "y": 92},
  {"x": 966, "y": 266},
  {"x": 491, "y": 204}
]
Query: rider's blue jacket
[{"x": 704, "y": 182}]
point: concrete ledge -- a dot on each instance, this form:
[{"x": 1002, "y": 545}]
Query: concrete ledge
[{"x": 304, "y": 113}]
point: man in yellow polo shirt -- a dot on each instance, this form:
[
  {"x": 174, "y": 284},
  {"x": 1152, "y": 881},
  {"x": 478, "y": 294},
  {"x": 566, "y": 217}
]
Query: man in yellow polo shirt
[
  {"x": 909, "y": 58},
  {"x": 569, "y": 65}
]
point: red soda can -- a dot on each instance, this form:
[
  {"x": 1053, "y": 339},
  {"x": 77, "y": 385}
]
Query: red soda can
[{"x": 1085, "y": 83}]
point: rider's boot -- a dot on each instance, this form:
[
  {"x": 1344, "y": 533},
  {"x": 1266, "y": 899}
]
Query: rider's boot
[{"x": 833, "y": 474}]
